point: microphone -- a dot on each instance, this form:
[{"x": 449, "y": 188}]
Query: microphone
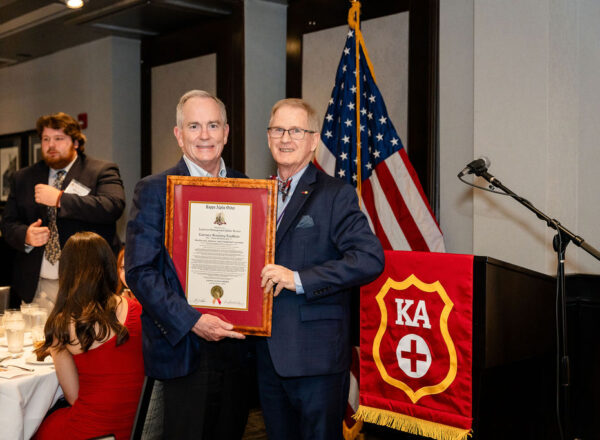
[{"x": 477, "y": 166}]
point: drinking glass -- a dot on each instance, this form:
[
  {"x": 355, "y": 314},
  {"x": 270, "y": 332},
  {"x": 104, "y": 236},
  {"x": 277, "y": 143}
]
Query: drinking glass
[
  {"x": 38, "y": 321},
  {"x": 11, "y": 312},
  {"x": 27, "y": 310},
  {"x": 14, "y": 326}
]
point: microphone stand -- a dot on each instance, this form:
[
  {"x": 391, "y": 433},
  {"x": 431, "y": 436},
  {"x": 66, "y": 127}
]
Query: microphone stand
[{"x": 560, "y": 242}]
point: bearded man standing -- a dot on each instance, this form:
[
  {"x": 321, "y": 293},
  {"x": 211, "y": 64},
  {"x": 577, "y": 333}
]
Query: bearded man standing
[{"x": 64, "y": 193}]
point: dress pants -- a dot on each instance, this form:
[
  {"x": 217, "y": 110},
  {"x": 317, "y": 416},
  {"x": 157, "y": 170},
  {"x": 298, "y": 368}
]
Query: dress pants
[
  {"x": 300, "y": 408},
  {"x": 212, "y": 402}
]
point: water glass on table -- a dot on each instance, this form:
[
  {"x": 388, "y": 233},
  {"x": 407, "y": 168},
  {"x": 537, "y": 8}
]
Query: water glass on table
[
  {"x": 28, "y": 310},
  {"x": 38, "y": 321},
  {"x": 14, "y": 326}
]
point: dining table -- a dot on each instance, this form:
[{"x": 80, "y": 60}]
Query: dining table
[{"x": 28, "y": 389}]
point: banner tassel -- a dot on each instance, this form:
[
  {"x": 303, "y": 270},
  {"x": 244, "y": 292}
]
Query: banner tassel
[
  {"x": 353, "y": 432},
  {"x": 410, "y": 424}
]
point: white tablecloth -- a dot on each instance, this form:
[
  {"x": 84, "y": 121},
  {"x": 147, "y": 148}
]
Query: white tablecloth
[{"x": 24, "y": 400}]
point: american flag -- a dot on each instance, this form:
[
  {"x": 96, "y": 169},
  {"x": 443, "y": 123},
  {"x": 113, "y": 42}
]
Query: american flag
[{"x": 393, "y": 199}]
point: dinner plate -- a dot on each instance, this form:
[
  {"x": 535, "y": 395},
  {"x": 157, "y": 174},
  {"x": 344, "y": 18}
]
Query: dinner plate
[{"x": 32, "y": 360}]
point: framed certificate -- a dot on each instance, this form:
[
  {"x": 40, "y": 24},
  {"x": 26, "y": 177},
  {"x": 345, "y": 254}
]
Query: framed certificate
[{"x": 220, "y": 234}]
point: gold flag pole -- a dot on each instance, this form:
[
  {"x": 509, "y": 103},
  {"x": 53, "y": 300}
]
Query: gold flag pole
[{"x": 354, "y": 22}]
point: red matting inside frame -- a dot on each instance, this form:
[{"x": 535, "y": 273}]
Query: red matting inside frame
[{"x": 258, "y": 198}]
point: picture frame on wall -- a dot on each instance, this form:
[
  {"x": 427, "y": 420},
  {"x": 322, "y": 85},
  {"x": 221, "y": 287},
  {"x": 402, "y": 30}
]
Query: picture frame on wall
[
  {"x": 9, "y": 163},
  {"x": 35, "y": 148}
]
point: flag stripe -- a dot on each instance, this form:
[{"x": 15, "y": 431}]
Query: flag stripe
[
  {"x": 401, "y": 228},
  {"x": 324, "y": 159},
  {"x": 369, "y": 202},
  {"x": 416, "y": 202},
  {"x": 413, "y": 174}
]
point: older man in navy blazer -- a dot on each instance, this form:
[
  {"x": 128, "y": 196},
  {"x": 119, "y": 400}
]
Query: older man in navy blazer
[
  {"x": 198, "y": 356},
  {"x": 324, "y": 246}
]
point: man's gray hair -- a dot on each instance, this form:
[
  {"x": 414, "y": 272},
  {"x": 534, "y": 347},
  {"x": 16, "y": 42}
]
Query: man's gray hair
[
  {"x": 313, "y": 120},
  {"x": 198, "y": 94}
]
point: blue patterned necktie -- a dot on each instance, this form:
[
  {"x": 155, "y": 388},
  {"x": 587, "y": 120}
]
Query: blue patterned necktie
[{"x": 53, "y": 245}]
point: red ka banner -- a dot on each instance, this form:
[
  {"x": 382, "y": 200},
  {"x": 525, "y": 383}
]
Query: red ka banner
[{"x": 416, "y": 323}]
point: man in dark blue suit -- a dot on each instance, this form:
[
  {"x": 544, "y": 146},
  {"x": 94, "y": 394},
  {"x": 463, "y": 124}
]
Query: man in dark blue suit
[
  {"x": 324, "y": 246},
  {"x": 200, "y": 360}
]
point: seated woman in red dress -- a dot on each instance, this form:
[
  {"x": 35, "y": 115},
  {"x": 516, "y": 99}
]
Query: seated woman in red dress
[{"x": 95, "y": 339}]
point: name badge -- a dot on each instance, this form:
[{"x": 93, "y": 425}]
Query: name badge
[{"x": 78, "y": 188}]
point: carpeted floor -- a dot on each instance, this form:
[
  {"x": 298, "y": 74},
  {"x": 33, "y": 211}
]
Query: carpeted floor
[{"x": 255, "y": 430}]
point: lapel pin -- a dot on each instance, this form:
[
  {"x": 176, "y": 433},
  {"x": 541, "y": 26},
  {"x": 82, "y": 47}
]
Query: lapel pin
[{"x": 304, "y": 192}]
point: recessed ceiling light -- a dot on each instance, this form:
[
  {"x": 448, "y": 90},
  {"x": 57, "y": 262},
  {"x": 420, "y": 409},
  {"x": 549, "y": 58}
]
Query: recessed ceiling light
[{"x": 74, "y": 4}]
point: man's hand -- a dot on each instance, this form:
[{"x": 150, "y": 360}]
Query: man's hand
[
  {"x": 46, "y": 194},
  {"x": 212, "y": 328},
  {"x": 275, "y": 275},
  {"x": 37, "y": 235}
]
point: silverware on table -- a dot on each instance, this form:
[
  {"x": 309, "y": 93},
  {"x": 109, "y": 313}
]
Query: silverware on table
[
  {"x": 11, "y": 356},
  {"x": 17, "y": 366}
]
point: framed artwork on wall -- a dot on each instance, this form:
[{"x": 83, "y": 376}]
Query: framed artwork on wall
[
  {"x": 10, "y": 147},
  {"x": 35, "y": 148}
]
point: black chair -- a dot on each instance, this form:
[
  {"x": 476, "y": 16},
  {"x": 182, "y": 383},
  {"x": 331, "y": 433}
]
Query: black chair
[{"x": 142, "y": 409}]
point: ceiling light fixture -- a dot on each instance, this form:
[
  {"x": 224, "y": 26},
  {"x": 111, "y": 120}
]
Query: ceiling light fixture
[{"x": 74, "y": 4}]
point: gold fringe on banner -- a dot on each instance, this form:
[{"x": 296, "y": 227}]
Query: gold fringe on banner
[
  {"x": 410, "y": 424},
  {"x": 354, "y": 432}
]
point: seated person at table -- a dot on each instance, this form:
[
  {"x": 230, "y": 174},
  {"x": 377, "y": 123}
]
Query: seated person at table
[
  {"x": 95, "y": 339},
  {"x": 123, "y": 288}
]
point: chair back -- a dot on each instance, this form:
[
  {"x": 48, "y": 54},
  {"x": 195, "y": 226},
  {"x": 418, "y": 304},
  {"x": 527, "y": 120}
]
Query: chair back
[{"x": 142, "y": 409}]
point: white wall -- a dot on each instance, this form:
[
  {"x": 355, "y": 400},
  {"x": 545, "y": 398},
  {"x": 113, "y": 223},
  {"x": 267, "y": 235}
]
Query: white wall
[
  {"x": 456, "y": 122},
  {"x": 264, "y": 53},
  {"x": 535, "y": 114},
  {"x": 101, "y": 79}
]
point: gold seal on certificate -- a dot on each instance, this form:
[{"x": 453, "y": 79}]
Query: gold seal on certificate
[{"x": 217, "y": 293}]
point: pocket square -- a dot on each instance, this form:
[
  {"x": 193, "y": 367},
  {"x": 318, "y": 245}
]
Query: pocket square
[{"x": 305, "y": 222}]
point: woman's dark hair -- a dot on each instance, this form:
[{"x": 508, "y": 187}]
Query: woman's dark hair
[
  {"x": 120, "y": 262},
  {"x": 86, "y": 295}
]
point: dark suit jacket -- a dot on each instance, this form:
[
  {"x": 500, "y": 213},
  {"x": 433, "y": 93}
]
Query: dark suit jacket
[
  {"x": 170, "y": 348},
  {"x": 97, "y": 212},
  {"x": 326, "y": 238}
]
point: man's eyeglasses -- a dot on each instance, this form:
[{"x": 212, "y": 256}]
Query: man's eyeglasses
[{"x": 294, "y": 132}]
